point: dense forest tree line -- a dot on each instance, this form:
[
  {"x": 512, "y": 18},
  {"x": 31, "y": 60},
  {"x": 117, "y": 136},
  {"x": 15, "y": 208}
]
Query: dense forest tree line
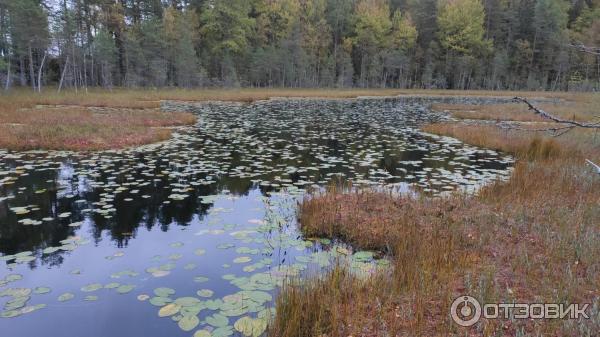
[{"x": 460, "y": 44}]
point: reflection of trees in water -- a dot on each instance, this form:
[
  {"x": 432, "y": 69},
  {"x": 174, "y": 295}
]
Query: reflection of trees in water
[
  {"x": 15, "y": 237},
  {"x": 260, "y": 143}
]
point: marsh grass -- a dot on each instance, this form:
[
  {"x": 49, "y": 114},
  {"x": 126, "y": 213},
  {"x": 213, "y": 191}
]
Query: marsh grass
[
  {"x": 78, "y": 128},
  {"x": 60, "y": 126},
  {"x": 428, "y": 248},
  {"x": 535, "y": 238},
  {"x": 24, "y": 125}
]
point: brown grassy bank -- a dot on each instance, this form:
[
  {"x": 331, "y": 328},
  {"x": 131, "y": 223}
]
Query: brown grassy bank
[
  {"x": 80, "y": 128},
  {"x": 535, "y": 238},
  {"x": 52, "y": 120}
]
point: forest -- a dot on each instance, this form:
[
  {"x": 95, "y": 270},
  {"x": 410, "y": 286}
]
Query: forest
[{"x": 428, "y": 44}]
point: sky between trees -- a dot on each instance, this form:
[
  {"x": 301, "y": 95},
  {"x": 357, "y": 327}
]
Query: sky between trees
[{"x": 457, "y": 44}]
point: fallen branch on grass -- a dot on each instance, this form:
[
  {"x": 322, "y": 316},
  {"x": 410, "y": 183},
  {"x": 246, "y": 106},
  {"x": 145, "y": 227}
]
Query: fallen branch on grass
[
  {"x": 547, "y": 115},
  {"x": 593, "y": 165}
]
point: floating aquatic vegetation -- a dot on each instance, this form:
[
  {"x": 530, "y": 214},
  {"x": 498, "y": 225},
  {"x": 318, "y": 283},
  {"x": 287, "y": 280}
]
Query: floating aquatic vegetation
[
  {"x": 160, "y": 301},
  {"x": 242, "y": 259},
  {"x": 41, "y": 290},
  {"x": 217, "y": 320},
  {"x": 169, "y": 310},
  {"x": 205, "y": 293},
  {"x": 188, "y": 323},
  {"x": 124, "y": 289},
  {"x": 66, "y": 297},
  {"x": 92, "y": 287},
  {"x": 229, "y": 183},
  {"x": 251, "y": 327}
]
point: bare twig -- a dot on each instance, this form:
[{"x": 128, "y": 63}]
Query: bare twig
[
  {"x": 593, "y": 165},
  {"x": 549, "y": 116},
  {"x": 557, "y": 131}
]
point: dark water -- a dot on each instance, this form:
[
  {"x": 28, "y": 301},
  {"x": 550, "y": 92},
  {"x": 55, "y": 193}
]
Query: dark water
[{"x": 213, "y": 209}]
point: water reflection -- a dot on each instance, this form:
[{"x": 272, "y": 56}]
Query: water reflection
[{"x": 234, "y": 148}]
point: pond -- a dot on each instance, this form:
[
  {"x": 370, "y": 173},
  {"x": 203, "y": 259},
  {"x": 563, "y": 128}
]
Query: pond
[{"x": 197, "y": 233}]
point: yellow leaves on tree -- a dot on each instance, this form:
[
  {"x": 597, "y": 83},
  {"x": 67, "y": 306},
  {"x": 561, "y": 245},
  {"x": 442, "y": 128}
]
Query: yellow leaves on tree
[{"x": 461, "y": 26}]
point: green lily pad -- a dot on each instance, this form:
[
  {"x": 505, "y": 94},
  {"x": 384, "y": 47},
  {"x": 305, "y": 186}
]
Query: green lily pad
[
  {"x": 112, "y": 285},
  {"x": 205, "y": 293},
  {"x": 15, "y": 292},
  {"x": 50, "y": 250},
  {"x": 42, "y": 290},
  {"x": 13, "y": 277},
  {"x": 176, "y": 244},
  {"x": 124, "y": 289},
  {"x": 160, "y": 301},
  {"x": 66, "y": 297},
  {"x": 202, "y": 333},
  {"x": 217, "y": 320},
  {"x": 91, "y": 287},
  {"x": 190, "y": 266},
  {"x": 169, "y": 310},
  {"x": 90, "y": 298},
  {"x": 164, "y": 292},
  {"x": 10, "y": 313},
  {"x": 188, "y": 323},
  {"x": 187, "y": 301},
  {"x": 250, "y": 327},
  {"x": 363, "y": 256},
  {"x": 242, "y": 259},
  {"x": 223, "y": 332}
]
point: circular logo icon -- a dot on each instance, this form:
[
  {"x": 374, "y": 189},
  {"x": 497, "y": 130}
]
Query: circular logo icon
[{"x": 465, "y": 311}]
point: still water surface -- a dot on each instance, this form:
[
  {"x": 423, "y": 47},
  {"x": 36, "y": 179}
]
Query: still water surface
[{"x": 204, "y": 225}]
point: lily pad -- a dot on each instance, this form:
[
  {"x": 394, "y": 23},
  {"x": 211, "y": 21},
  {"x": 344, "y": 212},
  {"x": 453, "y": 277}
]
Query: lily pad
[
  {"x": 217, "y": 320},
  {"x": 202, "y": 333},
  {"x": 160, "y": 301},
  {"x": 223, "y": 332},
  {"x": 124, "y": 289},
  {"x": 250, "y": 327},
  {"x": 242, "y": 259},
  {"x": 91, "y": 287},
  {"x": 66, "y": 297},
  {"x": 169, "y": 310},
  {"x": 188, "y": 323},
  {"x": 205, "y": 293},
  {"x": 164, "y": 292},
  {"x": 41, "y": 290},
  {"x": 187, "y": 301}
]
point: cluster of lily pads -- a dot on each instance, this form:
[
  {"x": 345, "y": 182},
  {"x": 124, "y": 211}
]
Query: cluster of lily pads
[
  {"x": 246, "y": 311},
  {"x": 185, "y": 310},
  {"x": 278, "y": 147}
]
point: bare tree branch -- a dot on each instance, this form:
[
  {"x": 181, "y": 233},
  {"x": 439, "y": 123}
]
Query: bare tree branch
[
  {"x": 557, "y": 131},
  {"x": 549, "y": 116},
  {"x": 593, "y": 165}
]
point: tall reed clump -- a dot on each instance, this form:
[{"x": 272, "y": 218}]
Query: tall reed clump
[{"x": 427, "y": 247}]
